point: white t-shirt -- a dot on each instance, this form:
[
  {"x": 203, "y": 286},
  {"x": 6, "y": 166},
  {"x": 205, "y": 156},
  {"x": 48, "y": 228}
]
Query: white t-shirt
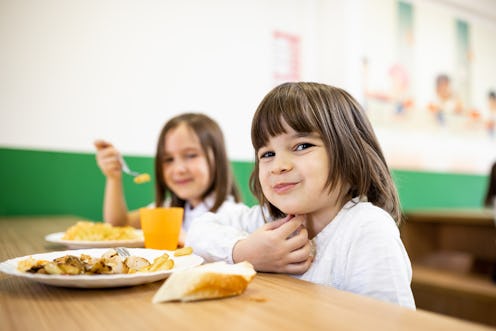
[{"x": 360, "y": 251}]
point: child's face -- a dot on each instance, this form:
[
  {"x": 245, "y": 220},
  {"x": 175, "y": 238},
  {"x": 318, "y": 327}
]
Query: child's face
[
  {"x": 444, "y": 90},
  {"x": 293, "y": 170},
  {"x": 185, "y": 166},
  {"x": 492, "y": 104}
]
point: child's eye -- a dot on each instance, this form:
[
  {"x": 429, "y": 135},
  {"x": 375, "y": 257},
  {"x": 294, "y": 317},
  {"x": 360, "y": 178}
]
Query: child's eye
[
  {"x": 303, "y": 146},
  {"x": 191, "y": 155},
  {"x": 265, "y": 155},
  {"x": 168, "y": 160}
]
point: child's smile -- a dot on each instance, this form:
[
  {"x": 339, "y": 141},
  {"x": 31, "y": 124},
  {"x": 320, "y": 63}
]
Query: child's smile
[{"x": 281, "y": 188}]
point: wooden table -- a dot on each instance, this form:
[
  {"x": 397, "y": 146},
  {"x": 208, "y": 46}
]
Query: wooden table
[{"x": 271, "y": 302}]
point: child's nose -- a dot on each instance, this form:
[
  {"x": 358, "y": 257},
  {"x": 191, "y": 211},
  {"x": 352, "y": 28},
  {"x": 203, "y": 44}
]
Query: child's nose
[
  {"x": 282, "y": 164},
  {"x": 179, "y": 165}
]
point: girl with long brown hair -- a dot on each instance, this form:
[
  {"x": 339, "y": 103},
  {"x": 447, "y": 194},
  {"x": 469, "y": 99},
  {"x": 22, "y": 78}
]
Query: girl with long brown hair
[{"x": 192, "y": 171}]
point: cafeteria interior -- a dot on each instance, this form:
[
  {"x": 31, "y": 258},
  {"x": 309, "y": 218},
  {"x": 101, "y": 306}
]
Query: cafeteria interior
[{"x": 423, "y": 70}]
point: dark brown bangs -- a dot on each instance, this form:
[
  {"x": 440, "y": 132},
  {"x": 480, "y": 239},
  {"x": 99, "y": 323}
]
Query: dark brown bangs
[{"x": 287, "y": 103}]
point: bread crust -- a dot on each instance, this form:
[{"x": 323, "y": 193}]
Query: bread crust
[{"x": 209, "y": 281}]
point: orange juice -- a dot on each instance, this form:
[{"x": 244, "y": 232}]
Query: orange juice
[{"x": 161, "y": 226}]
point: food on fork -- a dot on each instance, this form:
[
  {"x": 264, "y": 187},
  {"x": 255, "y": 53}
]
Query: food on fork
[
  {"x": 109, "y": 263},
  {"x": 208, "y": 281},
  {"x": 142, "y": 178},
  {"x": 92, "y": 231}
]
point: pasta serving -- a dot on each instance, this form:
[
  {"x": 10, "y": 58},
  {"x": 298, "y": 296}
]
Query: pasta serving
[{"x": 91, "y": 231}]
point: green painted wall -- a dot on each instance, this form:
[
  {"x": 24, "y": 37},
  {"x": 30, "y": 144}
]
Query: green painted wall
[
  {"x": 423, "y": 190},
  {"x": 55, "y": 183}
]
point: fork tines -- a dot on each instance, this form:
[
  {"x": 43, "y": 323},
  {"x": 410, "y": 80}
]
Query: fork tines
[{"x": 122, "y": 251}]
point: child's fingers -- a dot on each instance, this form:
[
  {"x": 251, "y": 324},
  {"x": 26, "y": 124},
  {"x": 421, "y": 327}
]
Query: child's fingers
[
  {"x": 313, "y": 249},
  {"x": 298, "y": 240},
  {"x": 301, "y": 254},
  {"x": 106, "y": 157},
  {"x": 277, "y": 223},
  {"x": 108, "y": 161},
  {"x": 297, "y": 231},
  {"x": 109, "y": 153},
  {"x": 298, "y": 268},
  {"x": 289, "y": 227},
  {"x": 100, "y": 144}
]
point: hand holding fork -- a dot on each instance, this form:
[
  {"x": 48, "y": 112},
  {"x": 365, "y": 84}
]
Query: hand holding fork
[{"x": 111, "y": 162}]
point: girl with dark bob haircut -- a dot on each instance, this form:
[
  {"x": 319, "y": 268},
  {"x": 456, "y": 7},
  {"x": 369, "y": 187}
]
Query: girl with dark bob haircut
[{"x": 328, "y": 212}]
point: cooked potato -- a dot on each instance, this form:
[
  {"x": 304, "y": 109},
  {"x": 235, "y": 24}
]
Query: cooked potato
[
  {"x": 116, "y": 265},
  {"x": 183, "y": 251},
  {"x": 109, "y": 263},
  {"x": 53, "y": 269},
  {"x": 31, "y": 265},
  {"x": 70, "y": 265},
  {"x": 135, "y": 263},
  {"x": 160, "y": 263}
]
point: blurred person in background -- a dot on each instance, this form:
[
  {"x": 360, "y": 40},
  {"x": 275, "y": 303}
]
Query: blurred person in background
[
  {"x": 490, "y": 202},
  {"x": 491, "y": 123},
  {"x": 192, "y": 171},
  {"x": 446, "y": 103},
  {"x": 490, "y": 198}
]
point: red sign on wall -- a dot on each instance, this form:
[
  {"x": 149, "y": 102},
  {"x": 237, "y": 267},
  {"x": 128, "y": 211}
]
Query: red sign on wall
[{"x": 286, "y": 57}]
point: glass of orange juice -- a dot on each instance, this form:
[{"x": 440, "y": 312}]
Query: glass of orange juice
[{"x": 161, "y": 226}]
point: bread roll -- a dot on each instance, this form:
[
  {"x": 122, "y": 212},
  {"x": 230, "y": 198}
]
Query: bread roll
[{"x": 208, "y": 281}]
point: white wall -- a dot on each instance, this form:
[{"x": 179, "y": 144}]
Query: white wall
[{"x": 72, "y": 71}]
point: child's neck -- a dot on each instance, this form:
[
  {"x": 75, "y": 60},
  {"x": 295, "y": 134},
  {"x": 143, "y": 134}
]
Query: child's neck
[{"x": 316, "y": 222}]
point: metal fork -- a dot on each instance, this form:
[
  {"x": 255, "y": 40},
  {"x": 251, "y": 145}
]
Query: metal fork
[
  {"x": 126, "y": 169},
  {"x": 122, "y": 251}
]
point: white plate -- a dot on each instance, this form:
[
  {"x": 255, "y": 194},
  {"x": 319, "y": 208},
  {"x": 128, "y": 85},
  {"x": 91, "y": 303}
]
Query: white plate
[
  {"x": 101, "y": 281},
  {"x": 57, "y": 238}
]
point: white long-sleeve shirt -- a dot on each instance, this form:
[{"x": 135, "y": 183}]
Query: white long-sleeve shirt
[{"x": 359, "y": 251}]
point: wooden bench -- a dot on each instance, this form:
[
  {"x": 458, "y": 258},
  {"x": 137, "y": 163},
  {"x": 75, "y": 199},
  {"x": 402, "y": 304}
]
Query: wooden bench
[{"x": 453, "y": 254}]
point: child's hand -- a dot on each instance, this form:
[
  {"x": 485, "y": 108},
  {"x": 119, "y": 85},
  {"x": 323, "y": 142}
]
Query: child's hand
[
  {"x": 107, "y": 158},
  {"x": 182, "y": 239},
  {"x": 279, "y": 246}
]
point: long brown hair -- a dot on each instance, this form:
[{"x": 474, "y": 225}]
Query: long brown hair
[
  {"x": 222, "y": 182},
  {"x": 353, "y": 151}
]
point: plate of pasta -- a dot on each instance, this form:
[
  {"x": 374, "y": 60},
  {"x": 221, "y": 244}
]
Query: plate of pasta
[
  {"x": 87, "y": 234},
  {"x": 98, "y": 267}
]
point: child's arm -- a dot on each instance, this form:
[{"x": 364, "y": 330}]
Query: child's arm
[
  {"x": 213, "y": 235},
  {"x": 239, "y": 235},
  {"x": 114, "y": 204}
]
